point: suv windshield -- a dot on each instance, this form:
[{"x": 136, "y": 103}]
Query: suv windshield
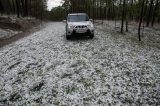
[{"x": 77, "y": 18}]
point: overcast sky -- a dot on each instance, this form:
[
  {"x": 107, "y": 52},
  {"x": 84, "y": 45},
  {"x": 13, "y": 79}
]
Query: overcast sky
[{"x": 53, "y": 3}]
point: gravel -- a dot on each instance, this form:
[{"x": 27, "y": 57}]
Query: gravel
[{"x": 111, "y": 69}]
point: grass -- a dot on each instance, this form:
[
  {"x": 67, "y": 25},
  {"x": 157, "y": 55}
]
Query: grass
[
  {"x": 15, "y": 96},
  {"x": 54, "y": 93},
  {"x": 87, "y": 99},
  {"x": 65, "y": 75},
  {"x": 99, "y": 102},
  {"x": 70, "y": 89},
  {"x": 37, "y": 87}
]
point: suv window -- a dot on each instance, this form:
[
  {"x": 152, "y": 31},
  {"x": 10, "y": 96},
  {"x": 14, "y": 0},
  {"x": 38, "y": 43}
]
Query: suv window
[{"x": 78, "y": 18}]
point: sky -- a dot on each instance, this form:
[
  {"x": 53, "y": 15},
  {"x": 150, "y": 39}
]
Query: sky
[{"x": 53, "y": 3}]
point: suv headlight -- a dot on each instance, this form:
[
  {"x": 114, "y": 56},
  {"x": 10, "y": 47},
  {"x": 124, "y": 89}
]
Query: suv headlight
[
  {"x": 88, "y": 26},
  {"x": 71, "y": 26}
]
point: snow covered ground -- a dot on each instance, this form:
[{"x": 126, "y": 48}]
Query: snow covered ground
[
  {"x": 149, "y": 35},
  {"x": 6, "y": 33},
  {"x": 111, "y": 69}
]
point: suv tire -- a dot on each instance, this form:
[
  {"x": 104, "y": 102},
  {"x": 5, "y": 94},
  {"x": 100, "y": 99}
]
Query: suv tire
[
  {"x": 68, "y": 37},
  {"x": 91, "y": 36}
]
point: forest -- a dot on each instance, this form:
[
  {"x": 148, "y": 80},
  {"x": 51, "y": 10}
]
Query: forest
[
  {"x": 24, "y": 8},
  {"x": 142, "y": 11}
]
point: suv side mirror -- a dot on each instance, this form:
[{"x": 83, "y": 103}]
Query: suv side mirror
[
  {"x": 64, "y": 21},
  {"x": 91, "y": 19}
]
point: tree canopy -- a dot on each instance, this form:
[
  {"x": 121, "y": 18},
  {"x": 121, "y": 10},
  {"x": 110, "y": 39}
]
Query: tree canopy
[{"x": 35, "y": 8}]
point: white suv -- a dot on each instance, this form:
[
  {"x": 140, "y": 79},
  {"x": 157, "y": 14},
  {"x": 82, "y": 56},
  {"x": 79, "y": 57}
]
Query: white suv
[{"x": 79, "y": 23}]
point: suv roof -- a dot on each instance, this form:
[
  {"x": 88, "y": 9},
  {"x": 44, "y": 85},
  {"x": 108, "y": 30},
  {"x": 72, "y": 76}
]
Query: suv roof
[{"x": 77, "y": 14}]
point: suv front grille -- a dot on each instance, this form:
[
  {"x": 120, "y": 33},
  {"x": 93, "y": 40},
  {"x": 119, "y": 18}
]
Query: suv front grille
[{"x": 81, "y": 27}]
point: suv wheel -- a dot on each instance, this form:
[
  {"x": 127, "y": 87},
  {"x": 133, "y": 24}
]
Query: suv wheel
[
  {"x": 68, "y": 37},
  {"x": 91, "y": 36}
]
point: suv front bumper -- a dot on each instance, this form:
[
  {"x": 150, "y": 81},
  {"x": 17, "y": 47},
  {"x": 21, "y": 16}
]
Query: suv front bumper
[{"x": 83, "y": 31}]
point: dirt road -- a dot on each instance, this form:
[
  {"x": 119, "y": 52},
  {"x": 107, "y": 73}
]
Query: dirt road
[{"x": 46, "y": 69}]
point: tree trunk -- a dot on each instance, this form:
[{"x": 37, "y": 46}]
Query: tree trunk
[
  {"x": 140, "y": 21},
  {"x": 22, "y": 8},
  {"x": 154, "y": 12},
  {"x": 127, "y": 24},
  {"x": 17, "y": 7},
  {"x": 126, "y": 15},
  {"x": 26, "y": 7},
  {"x": 10, "y": 8},
  {"x": 149, "y": 13},
  {"x": 13, "y": 6},
  {"x": 123, "y": 15},
  {"x": 1, "y": 7},
  {"x": 93, "y": 11}
]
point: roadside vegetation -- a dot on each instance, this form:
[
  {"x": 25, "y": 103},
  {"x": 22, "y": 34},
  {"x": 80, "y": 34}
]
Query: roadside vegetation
[{"x": 18, "y": 17}]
